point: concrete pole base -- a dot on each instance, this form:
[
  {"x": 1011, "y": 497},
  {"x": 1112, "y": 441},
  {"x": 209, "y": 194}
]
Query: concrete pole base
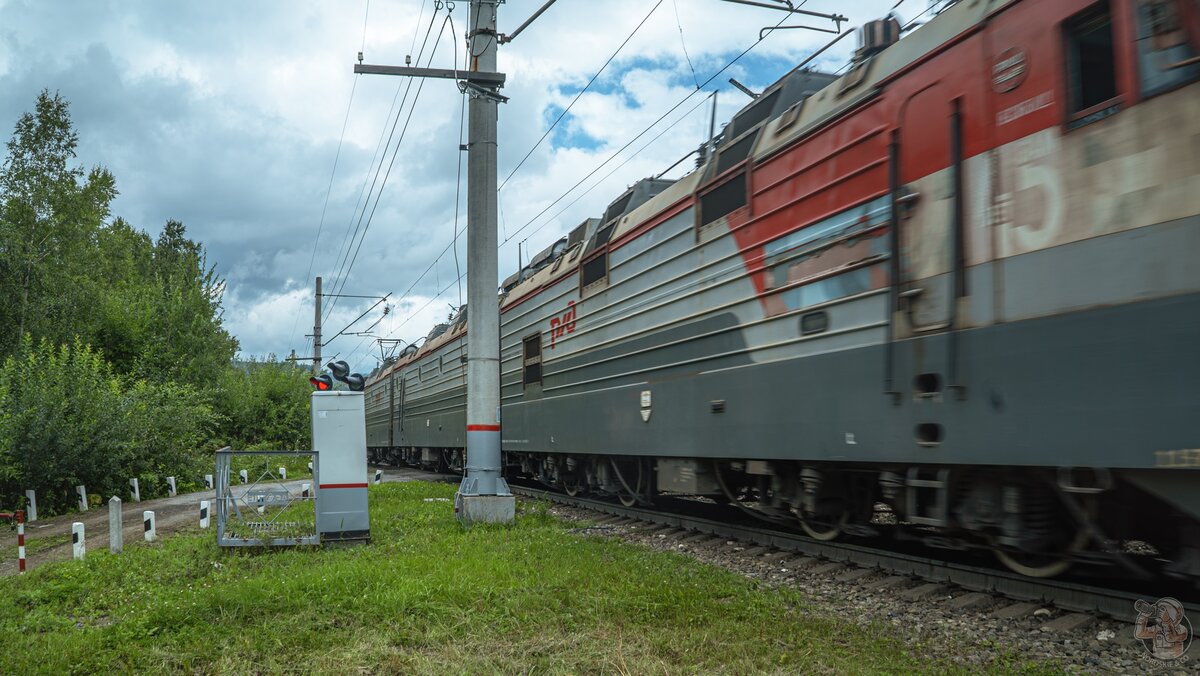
[{"x": 472, "y": 509}]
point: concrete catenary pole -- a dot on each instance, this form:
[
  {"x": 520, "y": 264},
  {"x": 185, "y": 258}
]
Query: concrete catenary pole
[
  {"x": 483, "y": 494},
  {"x": 317, "y": 330}
]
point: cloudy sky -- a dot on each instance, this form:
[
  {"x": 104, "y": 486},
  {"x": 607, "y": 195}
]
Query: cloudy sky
[{"x": 229, "y": 117}]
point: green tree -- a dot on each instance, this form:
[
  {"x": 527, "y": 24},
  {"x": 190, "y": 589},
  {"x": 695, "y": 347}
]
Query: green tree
[
  {"x": 264, "y": 404},
  {"x": 49, "y": 216}
]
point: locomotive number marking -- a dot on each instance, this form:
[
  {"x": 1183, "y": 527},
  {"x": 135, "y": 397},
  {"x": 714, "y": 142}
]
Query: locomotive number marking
[
  {"x": 1187, "y": 457},
  {"x": 560, "y": 326},
  {"x": 1026, "y": 107}
]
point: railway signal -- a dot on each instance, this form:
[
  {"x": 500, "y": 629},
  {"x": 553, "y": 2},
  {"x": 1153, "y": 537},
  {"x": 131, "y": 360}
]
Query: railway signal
[
  {"x": 322, "y": 382},
  {"x": 341, "y": 371}
]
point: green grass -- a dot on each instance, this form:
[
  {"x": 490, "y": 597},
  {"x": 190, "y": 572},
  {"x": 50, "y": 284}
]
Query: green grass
[
  {"x": 258, "y": 466},
  {"x": 425, "y": 597},
  {"x": 34, "y": 545}
]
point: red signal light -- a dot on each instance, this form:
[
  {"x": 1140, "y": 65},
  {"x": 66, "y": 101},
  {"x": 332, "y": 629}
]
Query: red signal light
[{"x": 322, "y": 382}]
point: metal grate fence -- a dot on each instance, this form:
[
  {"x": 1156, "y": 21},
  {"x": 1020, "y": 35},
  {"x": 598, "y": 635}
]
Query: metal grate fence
[{"x": 266, "y": 510}]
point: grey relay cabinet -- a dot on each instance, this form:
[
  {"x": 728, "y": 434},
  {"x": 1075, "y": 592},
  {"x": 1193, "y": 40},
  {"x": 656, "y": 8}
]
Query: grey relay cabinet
[{"x": 340, "y": 440}]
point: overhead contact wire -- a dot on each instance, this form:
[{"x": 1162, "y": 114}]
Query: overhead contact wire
[
  {"x": 579, "y": 94},
  {"x": 640, "y": 134}
]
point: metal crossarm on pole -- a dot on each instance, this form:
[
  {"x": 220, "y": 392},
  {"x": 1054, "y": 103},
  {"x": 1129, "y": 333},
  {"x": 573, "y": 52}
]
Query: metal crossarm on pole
[{"x": 474, "y": 76}]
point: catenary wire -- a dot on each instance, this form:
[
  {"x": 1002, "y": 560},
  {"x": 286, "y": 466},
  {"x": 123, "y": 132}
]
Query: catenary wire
[
  {"x": 391, "y": 165},
  {"x": 337, "y": 155},
  {"x": 640, "y": 134},
  {"x": 347, "y": 239},
  {"x": 597, "y": 184},
  {"x": 580, "y": 93},
  {"x": 339, "y": 279},
  {"x": 683, "y": 44},
  {"x": 598, "y": 167}
]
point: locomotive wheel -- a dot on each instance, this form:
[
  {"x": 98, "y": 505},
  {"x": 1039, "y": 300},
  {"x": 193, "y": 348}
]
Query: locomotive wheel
[
  {"x": 629, "y": 498},
  {"x": 572, "y": 486},
  {"x": 823, "y": 530},
  {"x": 1034, "y": 565},
  {"x": 1045, "y": 564}
]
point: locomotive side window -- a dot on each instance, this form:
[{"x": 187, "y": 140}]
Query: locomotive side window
[
  {"x": 595, "y": 268},
  {"x": 531, "y": 360},
  {"x": 1091, "y": 65},
  {"x": 723, "y": 200},
  {"x": 1166, "y": 54}
]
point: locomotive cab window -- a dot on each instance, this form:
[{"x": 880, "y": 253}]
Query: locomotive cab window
[
  {"x": 531, "y": 360},
  {"x": 1091, "y": 66}
]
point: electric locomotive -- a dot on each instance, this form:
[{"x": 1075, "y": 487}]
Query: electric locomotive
[{"x": 951, "y": 295}]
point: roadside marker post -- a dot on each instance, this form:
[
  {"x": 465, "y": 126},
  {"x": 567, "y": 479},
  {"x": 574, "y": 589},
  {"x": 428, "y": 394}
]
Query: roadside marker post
[
  {"x": 171, "y": 490},
  {"x": 116, "y": 537},
  {"x": 378, "y": 477},
  {"x": 20, "y": 541},
  {"x": 244, "y": 476},
  {"x": 208, "y": 481},
  {"x": 134, "y": 490},
  {"x": 148, "y": 526},
  {"x": 283, "y": 474},
  {"x": 82, "y": 498},
  {"x": 305, "y": 490},
  {"x": 78, "y": 544},
  {"x": 31, "y": 503},
  {"x": 204, "y": 513}
]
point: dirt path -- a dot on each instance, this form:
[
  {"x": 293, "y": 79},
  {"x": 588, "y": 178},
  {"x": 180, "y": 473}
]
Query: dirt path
[{"x": 49, "y": 539}]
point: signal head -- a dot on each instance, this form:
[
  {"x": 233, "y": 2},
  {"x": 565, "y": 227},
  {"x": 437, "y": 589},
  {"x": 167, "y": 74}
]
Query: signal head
[
  {"x": 322, "y": 383},
  {"x": 339, "y": 369}
]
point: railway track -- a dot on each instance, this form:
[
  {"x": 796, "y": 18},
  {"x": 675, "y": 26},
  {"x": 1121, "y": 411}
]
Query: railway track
[{"x": 1065, "y": 595}]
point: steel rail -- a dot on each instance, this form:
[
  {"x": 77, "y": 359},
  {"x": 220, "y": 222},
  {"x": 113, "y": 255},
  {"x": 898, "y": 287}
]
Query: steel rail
[{"x": 1072, "y": 596}]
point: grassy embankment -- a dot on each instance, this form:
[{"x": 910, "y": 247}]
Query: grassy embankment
[{"x": 425, "y": 597}]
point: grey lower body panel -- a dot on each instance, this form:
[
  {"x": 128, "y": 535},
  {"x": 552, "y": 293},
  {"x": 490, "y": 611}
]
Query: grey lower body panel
[{"x": 1111, "y": 386}]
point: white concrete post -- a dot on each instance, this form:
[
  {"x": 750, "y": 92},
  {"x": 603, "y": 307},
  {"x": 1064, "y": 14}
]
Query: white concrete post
[
  {"x": 171, "y": 487},
  {"x": 244, "y": 476},
  {"x": 310, "y": 467},
  {"x": 78, "y": 546},
  {"x": 148, "y": 526},
  {"x": 378, "y": 476},
  {"x": 30, "y": 505},
  {"x": 133, "y": 489},
  {"x": 116, "y": 537},
  {"x": 204, "y": 513},
  {"x": 208, "y": 481},
  {"x": 305, "y": 489},
  {"x": 82, "y": 498},
  {"x": 283, "y": 473}
]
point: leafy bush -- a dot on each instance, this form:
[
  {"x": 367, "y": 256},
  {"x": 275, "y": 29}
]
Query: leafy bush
[{"x": 69, "y": 420}]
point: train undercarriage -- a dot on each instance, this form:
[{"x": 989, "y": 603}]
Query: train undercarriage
[{"x": 1037, "y": 522}]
